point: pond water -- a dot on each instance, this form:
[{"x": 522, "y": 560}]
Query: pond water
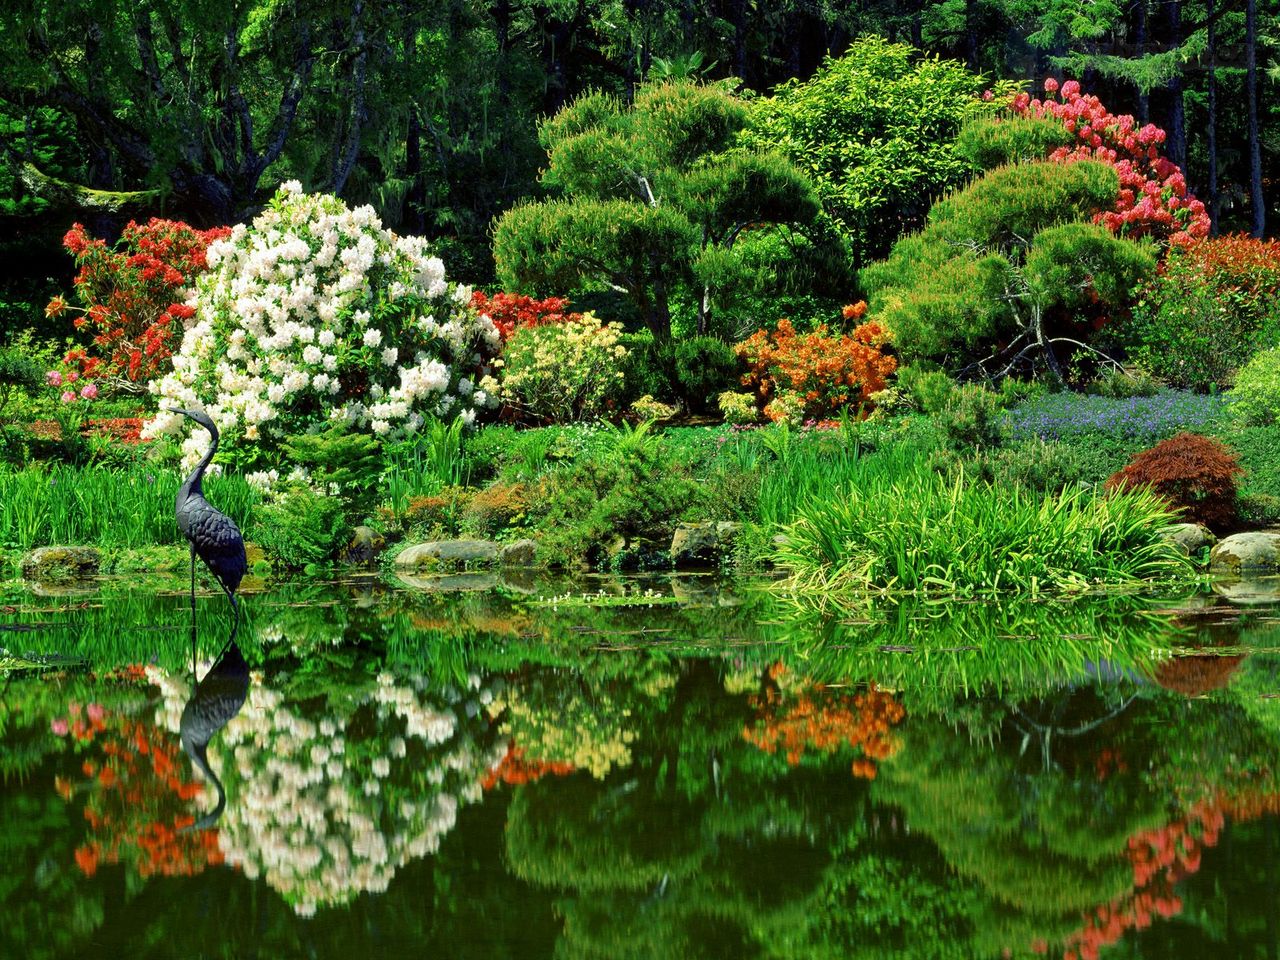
[{"x": 665, "y": 768}]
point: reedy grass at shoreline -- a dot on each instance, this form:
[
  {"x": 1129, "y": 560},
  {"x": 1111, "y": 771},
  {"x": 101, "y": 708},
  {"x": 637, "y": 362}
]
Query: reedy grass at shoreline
[{"x": 883, "y": 527}]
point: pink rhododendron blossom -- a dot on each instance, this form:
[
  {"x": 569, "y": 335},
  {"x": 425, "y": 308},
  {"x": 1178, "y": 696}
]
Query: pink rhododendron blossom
[
  {"x": 89, "y": 391},
  {"x": 68, "y": 396},
  {"x": 53, "y": 378}
]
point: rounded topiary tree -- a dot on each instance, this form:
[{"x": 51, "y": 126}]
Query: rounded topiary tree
[
  {"x": 1194, "y": 473},
  {"x": 315, "y": 313}
]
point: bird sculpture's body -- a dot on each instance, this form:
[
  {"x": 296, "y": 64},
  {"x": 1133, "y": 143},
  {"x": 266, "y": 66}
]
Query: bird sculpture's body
[
  {"x": 217, "y": 698},
  {"x": 213, "y": 536}
]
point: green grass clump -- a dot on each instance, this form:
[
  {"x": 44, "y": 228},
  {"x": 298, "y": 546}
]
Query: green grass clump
[
  {"x": 107, "y": 507},
  {"x": 886, "y": 527}
]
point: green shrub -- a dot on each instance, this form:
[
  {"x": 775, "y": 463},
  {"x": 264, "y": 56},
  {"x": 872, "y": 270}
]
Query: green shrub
[
  {"x": 1007, "y": 267},
  {"x": 877, "y": 127},
  {"x": 18, "y": 372},
  {"x": 301, "y": 528},
  {"x": 1256, "y": 397},
  {"x": 705, "y": 367},
  {"x": 1037, "y": 465},
  {"x": 1213, "y": 305},
  {"x": 971, "y": 418},
  {"x": 649, "y": 369},
  {"x": 566, "y": 372},
  {"x": 345, "y": 464},
  {"x": 991, "y": 142}
]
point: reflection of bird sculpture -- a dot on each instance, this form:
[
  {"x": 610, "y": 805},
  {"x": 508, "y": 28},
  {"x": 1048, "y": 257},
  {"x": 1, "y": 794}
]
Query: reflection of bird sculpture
[
  {"x": 213, "y": 535},
  {"x": 217, "y": 698}
]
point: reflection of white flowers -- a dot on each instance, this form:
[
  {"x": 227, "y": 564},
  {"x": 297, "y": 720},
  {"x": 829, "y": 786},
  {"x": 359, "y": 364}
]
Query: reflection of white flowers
[
  {"x": 324, "y": 809},
  {"x": 315, "y": 284}
]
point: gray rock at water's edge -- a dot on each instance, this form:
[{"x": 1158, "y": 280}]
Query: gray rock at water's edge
[
  {"x": 1191, "y": 537},
  {"x": 365, "y": 545},
  {"x": 1246, "y": 553},
  {"x": 522, "y": 553},
  {"x": 61, "y": 563},
  {"x": 694, "y": 543},
  {"x": 437, "y": 553}
]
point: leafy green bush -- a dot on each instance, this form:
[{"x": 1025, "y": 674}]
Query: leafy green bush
[
  {"x": 1006, "y": 268},
  {"x": 649, "y": 369},
  {"x": 1256, "y": 397},
  {"x": 705, "y": 367},
  {"x": 18, "y": 372},
  {"x": 877, "y": 130},
  {"x": 348, "y": 465},
  {"x": 652, "y": 198},
  {"x": 988, "y": 142},
  {"x": 566, "y": 372},
  {"x": 971, "y": 418},
  {"x": 1213, "y": 305},
  {"x": 301, "y": 528}
]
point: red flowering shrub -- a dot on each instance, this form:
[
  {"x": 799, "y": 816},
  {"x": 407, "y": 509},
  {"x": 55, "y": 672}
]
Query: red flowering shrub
[
  {"x": 1194, "y": 473},
  {"x": 132, "y": 295},
  {"x": 1213, "y": 305},
  {"x": 1153, "y": 200},
  {"x": 511, "y": 311},
  {"x": 814, "y": 375}
]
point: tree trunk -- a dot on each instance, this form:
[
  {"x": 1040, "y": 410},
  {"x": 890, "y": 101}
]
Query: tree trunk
[
  {"x": 1211, "y": 126},
  {"x": 971, "y": 34},
  {"x": 1258, "y": 223},
  {"x": 1177, "y": 132},
  {"x": 1140, "y": 40},
  {"x": 349, "y": 146}
]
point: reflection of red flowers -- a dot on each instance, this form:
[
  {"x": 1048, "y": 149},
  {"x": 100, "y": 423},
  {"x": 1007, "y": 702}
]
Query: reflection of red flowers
[
  {"x": 515, "y": 769},
  {"x": 136, "y": 797},
  {"x": 819, "y": 718},
  {"x": 1195, "y": 675}
]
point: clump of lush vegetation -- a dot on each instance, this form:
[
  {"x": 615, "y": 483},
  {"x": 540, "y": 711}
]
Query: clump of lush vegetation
[
  {"x": 913, "y": 529},
  {"x": 1213, "y": 305}
]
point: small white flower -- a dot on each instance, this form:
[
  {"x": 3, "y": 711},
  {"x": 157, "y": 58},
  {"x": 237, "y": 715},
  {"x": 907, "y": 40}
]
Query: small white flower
[{"x": 372, "y": 337}]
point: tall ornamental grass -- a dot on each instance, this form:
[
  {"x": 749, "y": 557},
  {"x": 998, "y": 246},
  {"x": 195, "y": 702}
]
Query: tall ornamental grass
[
  {"x": 885, "y": 528},
  {"x": 130, "y": 508}
]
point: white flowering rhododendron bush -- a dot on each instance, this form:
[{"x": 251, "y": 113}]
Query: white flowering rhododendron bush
[{"x": 314, "y": 313}]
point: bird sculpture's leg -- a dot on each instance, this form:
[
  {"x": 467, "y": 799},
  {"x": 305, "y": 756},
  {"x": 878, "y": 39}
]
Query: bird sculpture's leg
[
  {"x": 194, "y": 668},
  {"x": 235, "y": 623}
]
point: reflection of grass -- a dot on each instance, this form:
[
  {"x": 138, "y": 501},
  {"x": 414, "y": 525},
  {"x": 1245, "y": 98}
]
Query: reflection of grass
[{"x": 602, "y": 599}]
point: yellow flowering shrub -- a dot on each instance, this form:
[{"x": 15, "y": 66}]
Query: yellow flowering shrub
[{"x": 565, "y": 372}]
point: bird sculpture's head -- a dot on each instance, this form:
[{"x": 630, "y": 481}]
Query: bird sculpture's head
[{"x": 199, "y": 416}]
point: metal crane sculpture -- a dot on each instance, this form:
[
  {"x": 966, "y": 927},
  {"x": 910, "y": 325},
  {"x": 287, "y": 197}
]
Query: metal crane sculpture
[
  {"x": 217, "y": 698},
  {"x": 213, "y": 535}
]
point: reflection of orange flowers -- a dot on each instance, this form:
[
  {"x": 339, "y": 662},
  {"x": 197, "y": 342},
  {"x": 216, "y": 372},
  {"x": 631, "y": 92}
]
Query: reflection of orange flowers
[
  {"x": 137, "y": 799},
  {"x": 514, "y": 769},
  {"x": 816, "y": 717}
]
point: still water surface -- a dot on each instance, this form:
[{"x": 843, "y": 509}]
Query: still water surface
[{"x": 711, "y": 773}]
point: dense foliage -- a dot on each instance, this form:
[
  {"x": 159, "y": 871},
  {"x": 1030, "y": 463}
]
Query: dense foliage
[
  {"x": 655, "y": 199},
  {"x": 876, "y": 131},
  {"x": 1214, "y": 303},
  {"x": 1007, "y": 268}
]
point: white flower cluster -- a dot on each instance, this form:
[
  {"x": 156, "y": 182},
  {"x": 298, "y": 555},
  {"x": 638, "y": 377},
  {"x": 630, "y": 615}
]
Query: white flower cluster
[
  {"x": 317, "y": 814},
  {"x": 316, "y": 312}
]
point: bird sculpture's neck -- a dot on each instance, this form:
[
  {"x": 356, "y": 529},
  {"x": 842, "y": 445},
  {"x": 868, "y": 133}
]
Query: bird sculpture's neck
[
  {"x": 200, "y": 754},
  {"x": 193, "y": 484}
]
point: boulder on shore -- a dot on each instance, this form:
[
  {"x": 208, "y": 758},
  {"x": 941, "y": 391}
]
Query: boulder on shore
[
  {"x": 447, "y": 553},
  {"x": 695, "y": 544},
  {"x": 1239, "y": 553},
  {"x": 1191, "y": 537},
  {"x": 61, "y": 563}
]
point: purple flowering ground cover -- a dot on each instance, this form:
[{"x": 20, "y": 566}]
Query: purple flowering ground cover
[{"x": 1056, "y": 416}]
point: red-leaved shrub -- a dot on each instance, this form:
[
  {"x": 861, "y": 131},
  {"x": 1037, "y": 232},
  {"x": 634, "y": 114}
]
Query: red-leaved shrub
[{"x": 1194, "y": 473}]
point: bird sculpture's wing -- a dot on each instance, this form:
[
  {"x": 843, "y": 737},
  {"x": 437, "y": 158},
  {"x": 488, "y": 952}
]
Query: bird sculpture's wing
[{"x": 217, "y": 541}]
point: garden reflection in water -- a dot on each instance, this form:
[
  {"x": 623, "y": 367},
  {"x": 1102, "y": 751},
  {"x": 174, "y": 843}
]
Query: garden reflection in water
[{"x": 707, "y": 774}]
